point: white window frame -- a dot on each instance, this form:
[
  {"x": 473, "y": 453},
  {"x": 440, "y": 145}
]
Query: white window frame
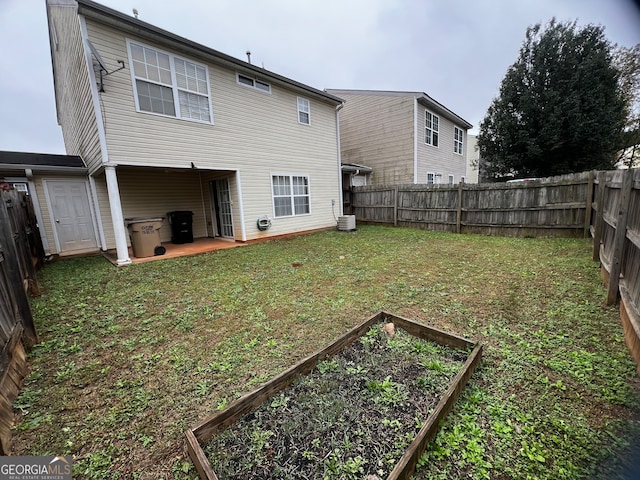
[
  {"x": 451, "y": 179},
  {"x": 458, "y": 140},
  {"x": 431, "y": 176},
  {"x": 254, "y": 83},
  {"x": 179, "y": 114},
  {"x": 431, "y": 129},
  {"x": 305, "y": 104},
  {"x": 291, "y": 195}
]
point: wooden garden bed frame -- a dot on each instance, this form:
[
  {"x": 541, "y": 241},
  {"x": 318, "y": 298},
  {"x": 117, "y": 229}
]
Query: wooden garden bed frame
[{"x": 405, "y": 467}]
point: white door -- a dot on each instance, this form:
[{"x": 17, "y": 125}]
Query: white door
[{"x": 71, "y": 215}]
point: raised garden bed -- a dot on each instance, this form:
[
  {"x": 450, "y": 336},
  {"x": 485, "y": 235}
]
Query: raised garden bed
[{"x": 366, "y": 406}]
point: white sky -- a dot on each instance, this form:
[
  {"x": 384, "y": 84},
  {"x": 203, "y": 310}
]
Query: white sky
[{"x": 457, "y": 51}]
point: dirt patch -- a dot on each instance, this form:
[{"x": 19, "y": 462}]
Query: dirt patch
[{"x": 354, "y": 415}]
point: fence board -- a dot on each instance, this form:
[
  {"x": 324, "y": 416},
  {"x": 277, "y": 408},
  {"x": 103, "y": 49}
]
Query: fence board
[
  {"x": 20, "y": 253},
  {"x": 550, "y": 207}
]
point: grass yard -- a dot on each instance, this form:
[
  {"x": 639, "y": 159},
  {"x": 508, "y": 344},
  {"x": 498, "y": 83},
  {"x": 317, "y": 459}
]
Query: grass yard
[{"x": 132, "y": 357}]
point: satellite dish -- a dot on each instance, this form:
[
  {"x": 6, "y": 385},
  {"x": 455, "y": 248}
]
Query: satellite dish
[
  {"x": 97, "y": 56},
  {"x": 102, "y": 65}
]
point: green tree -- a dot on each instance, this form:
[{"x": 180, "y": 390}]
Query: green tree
[
  {"x": 560, "y": 108},
  {"x": 627, "y": 61}
]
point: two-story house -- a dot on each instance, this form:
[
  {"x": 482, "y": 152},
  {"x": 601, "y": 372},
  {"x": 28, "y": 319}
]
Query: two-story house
[
  {"x": 165, "y": 124},
  {"x": 404, "y": 137}
]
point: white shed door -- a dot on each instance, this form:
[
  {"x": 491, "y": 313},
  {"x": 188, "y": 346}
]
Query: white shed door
[{"x": 71, "y": 213}]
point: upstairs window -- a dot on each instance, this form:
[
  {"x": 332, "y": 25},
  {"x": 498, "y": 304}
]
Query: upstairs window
[
  {"x": 431, "y": 128},
  {"x": 290, "y": 195},
  {"x": 254, "y": 83},
  {"x": 168, "y": 85},
  {"x": 304, "y": 111},
  {"x": 458, "y": 137}
]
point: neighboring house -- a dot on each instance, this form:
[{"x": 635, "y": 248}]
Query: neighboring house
[
  {"x": 405, "y": 137},
  {"x": 60, "y": 194},
  {"x": 165, "y": 124},
  {"x": 473, "y": 159}
]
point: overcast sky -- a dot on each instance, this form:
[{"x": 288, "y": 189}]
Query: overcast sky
[{"x": 457, "y": 51}]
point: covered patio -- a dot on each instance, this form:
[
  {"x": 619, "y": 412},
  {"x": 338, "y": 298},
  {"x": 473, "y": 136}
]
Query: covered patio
[{"x": 199, "y": 245}]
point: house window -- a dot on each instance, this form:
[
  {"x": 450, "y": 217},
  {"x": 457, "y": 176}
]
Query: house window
[
  {"x": 451, "y": 179},
  {"x": 290, "y": 195},
  {"x": 304, "y": 111},
  {"x": 169, "y": 85},
  {"x": 430, "y": 178},
  {"x": 463, "y": 179},
  {"x": 254, "y": 83},
  {"x": 458, "y": 136},
  {"x": 431, "y": 128}
]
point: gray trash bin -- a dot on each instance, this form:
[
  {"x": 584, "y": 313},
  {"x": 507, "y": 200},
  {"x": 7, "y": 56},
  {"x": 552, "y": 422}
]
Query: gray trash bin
[{"x": 145, "y": 235}]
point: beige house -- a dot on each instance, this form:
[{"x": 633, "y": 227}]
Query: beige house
[
  {"x": 473, "y": 159},
  {"x": 405, "y": 137},
  {"x": 164, "y": 124}
]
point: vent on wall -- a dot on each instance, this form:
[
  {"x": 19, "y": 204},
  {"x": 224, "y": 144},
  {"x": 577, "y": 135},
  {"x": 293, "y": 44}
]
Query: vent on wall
[{"x": 347, "y": 223}]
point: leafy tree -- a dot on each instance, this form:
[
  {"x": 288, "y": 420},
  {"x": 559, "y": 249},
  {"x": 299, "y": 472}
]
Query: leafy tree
[
  {"x": 627, "y": 61},
  {"x": 560, "y": 108}
]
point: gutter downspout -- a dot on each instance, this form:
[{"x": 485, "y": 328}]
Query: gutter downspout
[
  {"x": 340, "y": 195},
  {"x": 415, "y": 140}
]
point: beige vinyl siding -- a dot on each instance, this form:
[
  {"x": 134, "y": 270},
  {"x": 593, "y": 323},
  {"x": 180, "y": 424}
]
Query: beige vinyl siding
[
  {"x": 76, "y": 113},
  {"x": 376, "y": 131},
  {"x": 472, "y": 156},
  {"x": 154, "y": 193},
  {"x": 105, "y": 210},
  {"x": 441, "y": 159},
  {"x": 254, "y": 133}
]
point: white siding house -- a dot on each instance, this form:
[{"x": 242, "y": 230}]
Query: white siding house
[
  {"x": 405, "y": 137},
  {"x": 165, "y": 124}
]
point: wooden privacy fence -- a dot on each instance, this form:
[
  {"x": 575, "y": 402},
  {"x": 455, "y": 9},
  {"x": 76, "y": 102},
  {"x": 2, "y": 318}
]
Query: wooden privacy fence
[
  {"x": 605, "y": 205},
  {"x": 554, "y": 206},
  {"x": 616, "y": 245},
  {"x": 19, "y": 242}
]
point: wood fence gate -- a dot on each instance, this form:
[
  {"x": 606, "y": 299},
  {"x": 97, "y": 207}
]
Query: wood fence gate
[{"x": 21, "y": 253}]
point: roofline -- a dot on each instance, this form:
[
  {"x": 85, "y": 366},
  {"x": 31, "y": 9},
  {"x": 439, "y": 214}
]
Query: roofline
[
  {"x": 42, "y": 168},
  {"x": 354, "y": 167},
  {"x": 421, "y": 97},
  {"x": 106, "y": 15}
]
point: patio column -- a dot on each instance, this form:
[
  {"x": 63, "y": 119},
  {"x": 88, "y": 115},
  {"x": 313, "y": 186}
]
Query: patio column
[{"x": 116, "y": 216}]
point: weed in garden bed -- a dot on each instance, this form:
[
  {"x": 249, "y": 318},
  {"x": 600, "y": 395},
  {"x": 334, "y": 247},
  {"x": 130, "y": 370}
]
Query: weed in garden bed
[{"x": 354, "y": 415}]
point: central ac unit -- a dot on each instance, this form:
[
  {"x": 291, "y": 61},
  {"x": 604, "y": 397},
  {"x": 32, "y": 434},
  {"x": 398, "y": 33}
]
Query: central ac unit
[{"x": 347, "y": 223}]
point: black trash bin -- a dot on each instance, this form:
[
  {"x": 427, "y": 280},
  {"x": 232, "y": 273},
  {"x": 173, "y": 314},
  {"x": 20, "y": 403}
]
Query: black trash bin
[{"x": 181, "y": 222}]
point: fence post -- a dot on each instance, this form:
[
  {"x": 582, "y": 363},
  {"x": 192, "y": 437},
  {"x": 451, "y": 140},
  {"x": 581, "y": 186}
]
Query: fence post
[
  {"x": 395, "y": 206},
  {"x": 587, "y": 213},
  {"x": 597, "y": 231},
  {"x": 620, "y": 237},
  {"x": 459, "y": 212}
]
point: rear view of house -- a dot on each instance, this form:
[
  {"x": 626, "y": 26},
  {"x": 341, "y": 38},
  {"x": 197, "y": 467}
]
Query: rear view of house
[
  {"x": 405, "y": 137},
  {"x": 164, "y": 124}
]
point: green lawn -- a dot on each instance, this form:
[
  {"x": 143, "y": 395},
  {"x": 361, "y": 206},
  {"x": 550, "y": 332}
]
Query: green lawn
[{"x": 132, "y": 357}]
